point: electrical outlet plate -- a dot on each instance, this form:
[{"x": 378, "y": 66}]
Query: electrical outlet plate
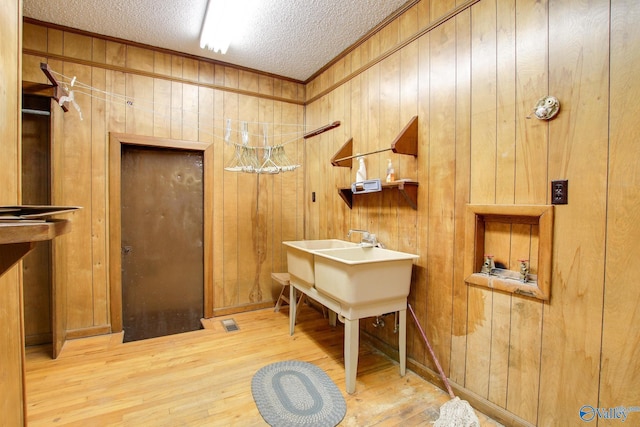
[{"x": 559, "y": 192}]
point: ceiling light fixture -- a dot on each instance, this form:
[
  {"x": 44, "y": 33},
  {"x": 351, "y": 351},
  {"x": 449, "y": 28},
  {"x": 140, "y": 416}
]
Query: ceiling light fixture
[{"x": 222, "y": 23}]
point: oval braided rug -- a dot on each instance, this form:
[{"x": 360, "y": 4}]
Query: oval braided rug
[{"x": 294, "y": 393}]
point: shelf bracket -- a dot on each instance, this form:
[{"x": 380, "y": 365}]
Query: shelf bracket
[
  {"x": 56, "y": 86},
  {"x": 343, "y": 157},
  {"x": 407, "y": 141}
]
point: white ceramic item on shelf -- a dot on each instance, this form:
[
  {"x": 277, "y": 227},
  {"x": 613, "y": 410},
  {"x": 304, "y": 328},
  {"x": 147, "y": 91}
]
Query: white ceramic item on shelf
[{"x": 361, "y": 174}]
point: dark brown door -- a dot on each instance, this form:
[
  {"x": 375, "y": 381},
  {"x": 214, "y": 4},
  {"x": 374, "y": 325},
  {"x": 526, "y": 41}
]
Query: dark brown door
[{"x": 162, "y": 241}]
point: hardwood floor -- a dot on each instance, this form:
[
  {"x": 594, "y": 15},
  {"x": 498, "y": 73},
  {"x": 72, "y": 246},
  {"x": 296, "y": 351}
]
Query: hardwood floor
[{"x": 203, "y": 378}]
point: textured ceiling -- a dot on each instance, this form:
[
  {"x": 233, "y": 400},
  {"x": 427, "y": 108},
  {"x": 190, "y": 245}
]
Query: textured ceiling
[{"x": 290, "y": 38}]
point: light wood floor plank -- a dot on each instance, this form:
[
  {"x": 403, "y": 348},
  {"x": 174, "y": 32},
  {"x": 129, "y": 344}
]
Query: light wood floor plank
[{"x": 203, "y": 378}]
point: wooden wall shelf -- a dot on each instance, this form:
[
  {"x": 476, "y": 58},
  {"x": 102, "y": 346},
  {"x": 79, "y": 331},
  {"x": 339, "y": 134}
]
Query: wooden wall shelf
[
  {"x": 343, "y": 157},
  {"x": 405, "y": 143},
  {"x": 17, "y": 238},
  {"x": 508, "y": 219},
  {"x": 408, "y": 189}
]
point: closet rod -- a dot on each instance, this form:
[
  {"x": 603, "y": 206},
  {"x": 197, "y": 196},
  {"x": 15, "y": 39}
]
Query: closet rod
[
  {"x": 35, "y": 112},
  {"x": 355, "y": 156}
]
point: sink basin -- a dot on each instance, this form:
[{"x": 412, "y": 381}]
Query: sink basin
[
  {"x": 359, "y": 276},
  {"x": 300, "y": 257},
  {"x": 354, "y": 282},
  {"x": 314, "y": 245}
]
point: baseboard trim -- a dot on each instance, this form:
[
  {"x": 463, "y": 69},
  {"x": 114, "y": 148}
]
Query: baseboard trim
[
  {"x": 88, "y": 332},
  {"x": 217, "y": 312}
]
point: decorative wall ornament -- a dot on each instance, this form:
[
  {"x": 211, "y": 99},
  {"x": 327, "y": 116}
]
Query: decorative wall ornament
[{"x": 546, "y": 108}]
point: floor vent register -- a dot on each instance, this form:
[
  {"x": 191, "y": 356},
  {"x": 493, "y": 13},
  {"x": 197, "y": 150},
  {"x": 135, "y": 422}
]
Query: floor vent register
[{"x": 230, "y": 325}]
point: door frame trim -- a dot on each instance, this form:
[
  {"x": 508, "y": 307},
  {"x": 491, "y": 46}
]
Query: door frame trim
[{"x": 116, "y": 141}]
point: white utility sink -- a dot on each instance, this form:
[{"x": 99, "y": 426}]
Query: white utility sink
[
  {"x": 354, "y": 281},
  {"x": 300, "y": 257},
  {"x": 366, "y": 280}
]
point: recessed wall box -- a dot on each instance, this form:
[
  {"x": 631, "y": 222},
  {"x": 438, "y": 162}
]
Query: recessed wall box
[{"x": 366, "y": 186}]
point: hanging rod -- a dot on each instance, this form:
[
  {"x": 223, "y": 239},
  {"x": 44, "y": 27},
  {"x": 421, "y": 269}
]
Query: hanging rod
[
  {"x": 322, "y": 129},
  {"x": 355, "y": 156},
  {"x": 35, "y": 112}
]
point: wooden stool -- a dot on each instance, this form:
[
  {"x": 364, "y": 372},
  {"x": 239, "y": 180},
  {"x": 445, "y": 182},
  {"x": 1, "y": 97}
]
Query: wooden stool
[{"x": 283, "y": 279}]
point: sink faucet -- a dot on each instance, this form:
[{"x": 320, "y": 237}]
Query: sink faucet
[
  {"x": 368, "y": 239},
  {"x": 357, "y": 230}
]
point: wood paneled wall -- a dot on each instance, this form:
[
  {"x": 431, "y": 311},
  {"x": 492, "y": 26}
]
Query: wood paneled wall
[
  {"x": 472, "y": 72},
  {"x": 177, "y": 97},
  {"x": 12, "y": 331}
]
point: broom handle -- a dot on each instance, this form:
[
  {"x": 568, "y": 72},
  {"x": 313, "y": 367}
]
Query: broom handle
[{"x": 433, "y": 355}]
